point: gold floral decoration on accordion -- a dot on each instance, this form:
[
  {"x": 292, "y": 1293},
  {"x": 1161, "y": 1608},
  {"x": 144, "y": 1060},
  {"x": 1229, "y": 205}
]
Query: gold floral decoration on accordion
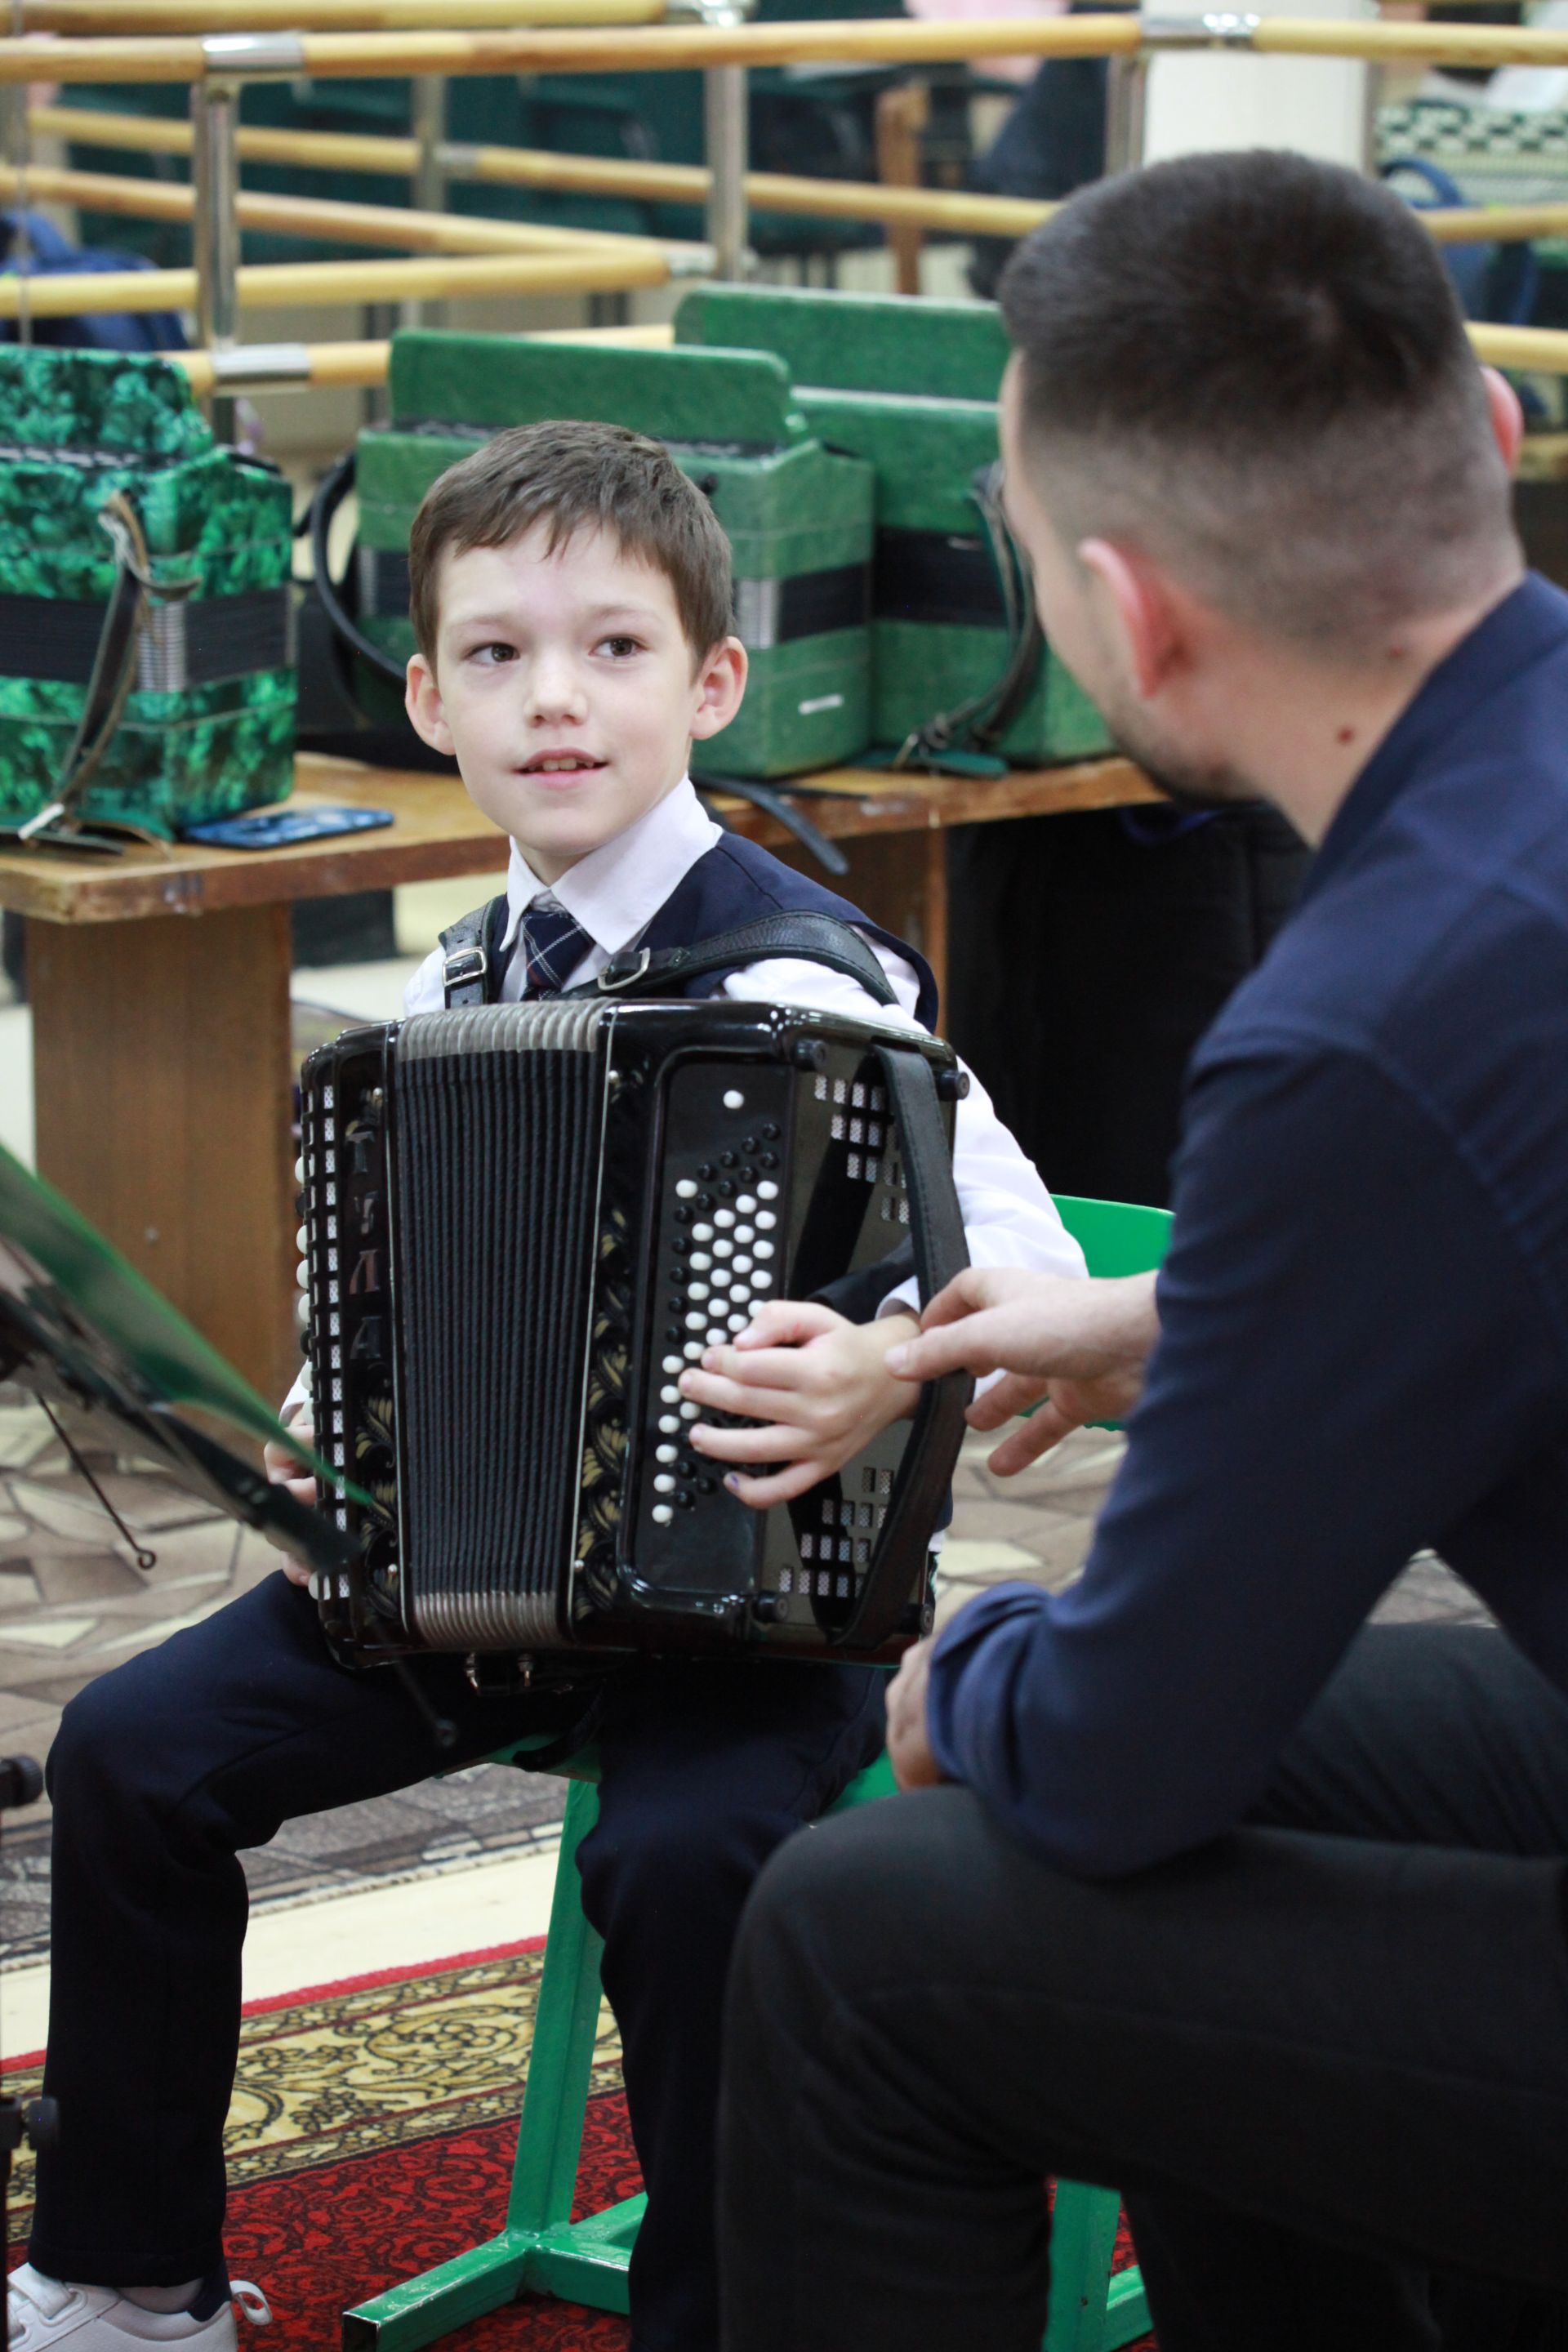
[{"x": 604, "y": 1431}]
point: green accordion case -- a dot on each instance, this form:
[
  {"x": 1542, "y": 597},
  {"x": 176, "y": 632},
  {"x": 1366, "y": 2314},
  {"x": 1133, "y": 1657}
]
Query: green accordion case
[
  {"x": 207, "y": 727},
  {"x": 911, "y": 386},
  {"x": 798, "y": 517}
]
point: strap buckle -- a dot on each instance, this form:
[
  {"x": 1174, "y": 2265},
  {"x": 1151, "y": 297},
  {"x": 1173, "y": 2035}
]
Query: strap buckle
[
  {"x": 464, "y": 969},
  {"x": 624, "y": 969}
]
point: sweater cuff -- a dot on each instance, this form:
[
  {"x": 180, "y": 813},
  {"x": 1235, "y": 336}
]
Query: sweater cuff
[{"x": 959, "y": 1648}]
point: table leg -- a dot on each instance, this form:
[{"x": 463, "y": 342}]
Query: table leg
[{"x": 162, "y": 1077}]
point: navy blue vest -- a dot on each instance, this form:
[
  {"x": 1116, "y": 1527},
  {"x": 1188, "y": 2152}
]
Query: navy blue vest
[{"x": 733, "y": 885}]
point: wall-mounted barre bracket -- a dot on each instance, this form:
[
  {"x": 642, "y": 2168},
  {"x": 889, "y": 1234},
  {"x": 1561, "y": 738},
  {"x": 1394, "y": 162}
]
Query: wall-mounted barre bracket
[
  {"x": 709, "y": 12},
  {"x": 253, "y": 367},
  {"x": 254, "y": 57},
  {"x": 1218, "y": 29}
]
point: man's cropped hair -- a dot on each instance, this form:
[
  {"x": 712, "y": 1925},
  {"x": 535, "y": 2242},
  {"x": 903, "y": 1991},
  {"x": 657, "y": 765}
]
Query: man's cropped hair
[
  {"x": 570, "y": 476},
  {"x": 1253, "y": 365}
]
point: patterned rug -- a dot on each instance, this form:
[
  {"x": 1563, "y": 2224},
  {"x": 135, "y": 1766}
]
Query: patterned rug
[{"x": 371, "y": 2136}]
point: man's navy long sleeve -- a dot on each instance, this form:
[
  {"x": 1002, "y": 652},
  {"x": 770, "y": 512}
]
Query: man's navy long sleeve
[{"x": 1363, "y": 1342}]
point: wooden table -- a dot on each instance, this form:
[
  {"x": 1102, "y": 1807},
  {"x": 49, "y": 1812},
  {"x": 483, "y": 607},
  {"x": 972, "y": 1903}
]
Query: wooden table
[{"x": 161, "y": 1018}]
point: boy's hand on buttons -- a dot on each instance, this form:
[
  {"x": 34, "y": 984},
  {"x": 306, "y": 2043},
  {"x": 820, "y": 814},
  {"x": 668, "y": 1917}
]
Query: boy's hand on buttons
[
  {"x": 818, "y": 1385},
  {"x": 283, "y": 1468}
]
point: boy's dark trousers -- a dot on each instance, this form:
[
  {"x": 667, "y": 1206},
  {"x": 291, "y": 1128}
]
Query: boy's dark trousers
[{"x": 164, "y": 1768}]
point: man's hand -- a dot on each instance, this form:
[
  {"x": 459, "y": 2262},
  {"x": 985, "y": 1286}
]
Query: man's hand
[
  {"x": 818, "y": 1384},
  {"x": 908, "y": 1747},
  {"x": 1073, "y": 1351},
  {"x": 282, "y": 1469}
]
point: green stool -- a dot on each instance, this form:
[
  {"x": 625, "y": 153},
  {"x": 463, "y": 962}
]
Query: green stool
[{"x": 542, "y": 2249}]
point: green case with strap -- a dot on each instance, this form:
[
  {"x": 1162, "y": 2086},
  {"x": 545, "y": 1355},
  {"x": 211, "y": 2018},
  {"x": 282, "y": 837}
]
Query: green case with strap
[
  {"x": 912, "y": 387},
  {"x": 202, "y": 723},
  {"x": 798, "y": 517}
]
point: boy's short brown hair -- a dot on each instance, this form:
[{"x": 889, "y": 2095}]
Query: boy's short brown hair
[{"x": 576, "y": 477}]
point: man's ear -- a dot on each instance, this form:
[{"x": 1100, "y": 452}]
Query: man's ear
[
  {"x": 1141, "y": 611},
  {"x": 422, "y": 700},
  {"x": 720, "y": 684},
  {"x": 1507, "y": 416}
]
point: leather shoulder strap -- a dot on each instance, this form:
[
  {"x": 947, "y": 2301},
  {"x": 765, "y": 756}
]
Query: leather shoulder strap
[
  {"x": 812, "y": 939},
  {"x": 472, "y": 973}
]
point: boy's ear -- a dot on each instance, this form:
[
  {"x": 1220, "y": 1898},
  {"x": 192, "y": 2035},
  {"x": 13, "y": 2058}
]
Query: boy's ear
[
  {"x": 422, "y": 700},
  {"x": 720, "y": 684}
]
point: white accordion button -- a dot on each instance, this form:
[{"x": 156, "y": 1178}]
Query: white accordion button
[
  {"x": 667, "y": 1452},
  {"x": 767, "y": 1190},
  {"x": 698, "y": 1291},
  {"x": 742, "y": 1264},
  {"x": 301, "y": 1239},
  {"x": 303, "y": 1274},
  {"x": 745, "y": 1233},
  {"x": 717, "y": 1336},
  {"x": 669, "y": 1395},
  {"x": 739, "y": 1322},
  {"x": 667, "y": 1424},
  {"x": 745, "y": 1204},
  {"x": 762, "y": 1249},
  {"x": 766, "y": 1221},
  {"x": 664, "y": 1485},
  {"x": 723, "y": 1277},
  {"x": 307, "y": 1379},
  {"x": 701, "y": 1232},
  {"x": 662, "y": 1513},
  {"x": 303, "y": 1309},
  {"x": 700, "y": 1261},
  {"x": 735, "y": 1101},
  {"x": 761, "y": 1280},
  {"x": 686, "y": 1190},
  {"x": 695, "y": 1321},
  {"x": 690, "y": 1413},
  {"x": 693, "y": 1350},
  {"x": 723, "y": 1248},
  {"x": 723, "y": 1216},
  {"x": 672, "y": 1363}
]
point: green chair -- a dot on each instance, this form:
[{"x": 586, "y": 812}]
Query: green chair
[{"x": 541, "y": 2249}]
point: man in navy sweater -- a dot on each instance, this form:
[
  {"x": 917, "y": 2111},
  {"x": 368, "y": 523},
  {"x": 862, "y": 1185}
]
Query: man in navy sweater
[{"x": 1202, "y": 1889}]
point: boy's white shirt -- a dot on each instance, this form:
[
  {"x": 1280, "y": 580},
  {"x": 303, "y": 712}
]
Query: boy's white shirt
[{"x": 614, "y": 893}]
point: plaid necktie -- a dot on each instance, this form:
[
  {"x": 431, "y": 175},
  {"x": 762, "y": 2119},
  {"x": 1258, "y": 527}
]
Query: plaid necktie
[{"x": 553, "y": 945}]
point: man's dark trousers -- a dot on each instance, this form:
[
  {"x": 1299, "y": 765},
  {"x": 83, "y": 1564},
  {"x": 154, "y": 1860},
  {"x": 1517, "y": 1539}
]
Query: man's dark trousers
[
  {"x": 1323, "y": 2058},
  {"x": 163, "y": 1769}
]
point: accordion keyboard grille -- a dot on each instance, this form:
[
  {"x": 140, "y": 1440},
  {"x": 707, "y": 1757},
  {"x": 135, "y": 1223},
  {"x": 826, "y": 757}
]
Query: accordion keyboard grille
[{"x": 497, "y": 1163}]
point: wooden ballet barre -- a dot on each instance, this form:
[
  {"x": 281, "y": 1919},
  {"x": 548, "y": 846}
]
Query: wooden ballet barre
[
  {"x": 536, "y": 167},
  {"x": 1541, "y": 350},
  {"x": 86, "y": 17},
  {"x": 676, "y": 48},
  {"x": 636, "y": 48},
  {"x": 275, "y": 285},
  {"x": 275, "y": 367},
  {"x": 960, "y": 213},
  {"x": 1533, "y": 351},
  {"x": 410, "y": 231}
]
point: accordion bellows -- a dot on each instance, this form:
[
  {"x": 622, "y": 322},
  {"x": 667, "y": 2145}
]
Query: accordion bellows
[
  {"x": 209, "y": 728},
  {"x": 522, "y": 1222}
]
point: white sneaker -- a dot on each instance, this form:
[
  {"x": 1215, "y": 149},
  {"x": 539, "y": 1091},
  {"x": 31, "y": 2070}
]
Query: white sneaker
[{"x": 49, "y": 2314}]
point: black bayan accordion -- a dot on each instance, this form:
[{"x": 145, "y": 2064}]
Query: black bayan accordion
[{"x": 522, "y": 1222}]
